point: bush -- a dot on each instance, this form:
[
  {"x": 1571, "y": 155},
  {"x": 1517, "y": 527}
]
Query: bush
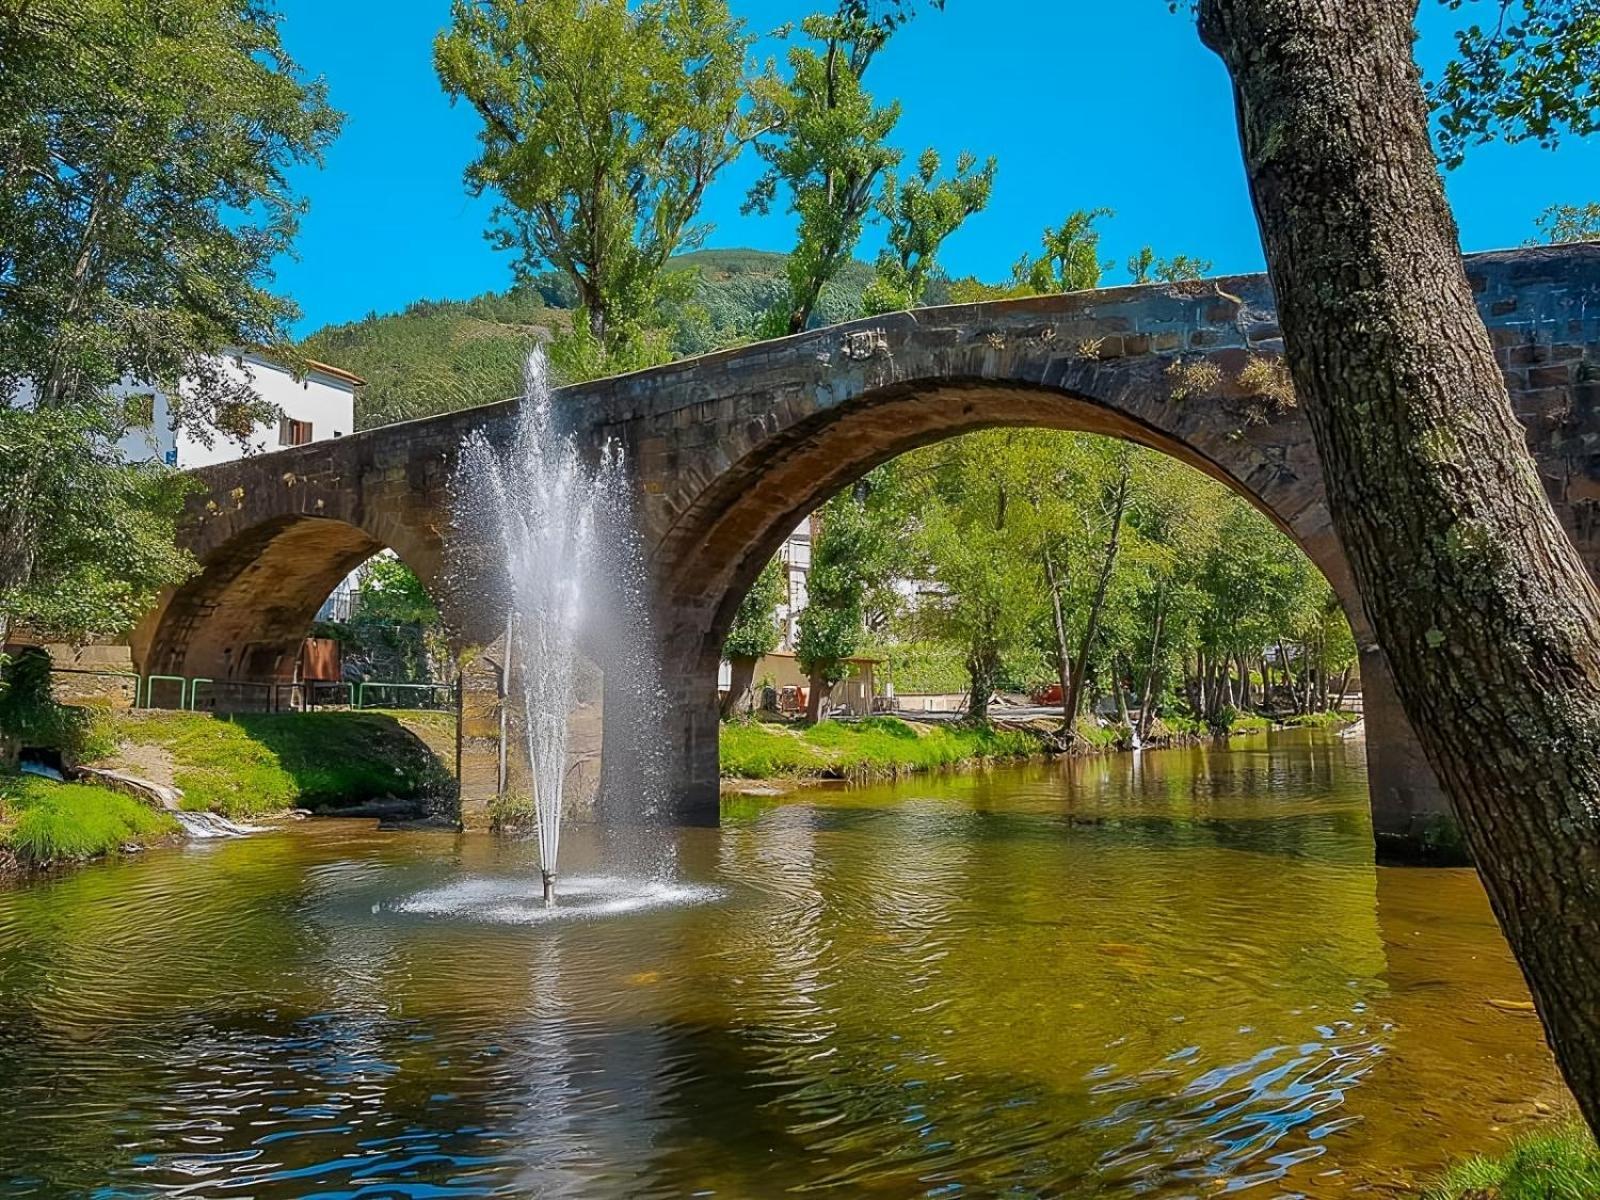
[{"x": 1549, "y": 1164}]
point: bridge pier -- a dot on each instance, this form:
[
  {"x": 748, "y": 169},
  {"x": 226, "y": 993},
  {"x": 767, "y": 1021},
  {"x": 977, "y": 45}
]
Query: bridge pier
[{"x": 1412, "y": 821}]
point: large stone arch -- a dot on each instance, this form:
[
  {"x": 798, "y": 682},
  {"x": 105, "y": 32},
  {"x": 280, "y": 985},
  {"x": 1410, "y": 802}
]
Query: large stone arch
[{"x": 908, "y": 381}]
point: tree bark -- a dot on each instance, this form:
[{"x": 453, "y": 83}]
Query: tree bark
[
  {"x": 738, "y": 701},
  {"x": 817, "y": 697},
  {"x": 1485, "y": 612},
  {"x": 981, "y": 671}
]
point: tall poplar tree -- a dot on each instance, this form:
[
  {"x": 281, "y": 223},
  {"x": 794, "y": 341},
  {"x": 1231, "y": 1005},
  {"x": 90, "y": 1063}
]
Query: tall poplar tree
[{"x": 603, "y": 125}]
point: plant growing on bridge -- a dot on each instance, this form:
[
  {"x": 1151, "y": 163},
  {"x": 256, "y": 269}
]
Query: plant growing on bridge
[
  {"x": 144, "y": 194},
  {"x": 603, "y": 125},
  {"x": 755, "y": 632}
]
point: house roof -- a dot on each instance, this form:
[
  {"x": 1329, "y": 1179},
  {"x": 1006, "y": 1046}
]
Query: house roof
[{"x": 323, "y": 368}]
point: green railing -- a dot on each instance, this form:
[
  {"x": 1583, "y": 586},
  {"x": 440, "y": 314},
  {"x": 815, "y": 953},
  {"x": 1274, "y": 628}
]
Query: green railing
[{"x": 360, "y": 694}]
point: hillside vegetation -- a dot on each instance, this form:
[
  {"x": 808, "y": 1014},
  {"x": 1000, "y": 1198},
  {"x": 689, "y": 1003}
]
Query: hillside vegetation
[{"x": 441, "y": 355}]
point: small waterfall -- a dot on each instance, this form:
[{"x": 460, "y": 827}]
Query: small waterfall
[
  {"x": 206, "y": 826},
  {"x": 567, "y": 545}
]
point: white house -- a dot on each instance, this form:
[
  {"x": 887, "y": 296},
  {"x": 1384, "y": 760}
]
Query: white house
[{"x": 318, "y": 405}]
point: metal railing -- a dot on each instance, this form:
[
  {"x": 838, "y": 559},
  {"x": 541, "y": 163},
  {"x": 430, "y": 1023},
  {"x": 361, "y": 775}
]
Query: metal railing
[{"x": 271, "y": 695}]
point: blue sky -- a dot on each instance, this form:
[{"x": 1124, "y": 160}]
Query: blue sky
[{"x": 1085, "y": 104}]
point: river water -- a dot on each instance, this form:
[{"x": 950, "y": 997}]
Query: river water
[{"x": 1171, "y": 975}]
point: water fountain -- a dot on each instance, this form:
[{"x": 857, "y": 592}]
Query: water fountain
[{"x": 557, "y": 522}]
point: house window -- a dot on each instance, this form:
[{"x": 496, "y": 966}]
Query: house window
[
  {"x": 294, "y": 433},
  {"x": 139, "y": 410}
]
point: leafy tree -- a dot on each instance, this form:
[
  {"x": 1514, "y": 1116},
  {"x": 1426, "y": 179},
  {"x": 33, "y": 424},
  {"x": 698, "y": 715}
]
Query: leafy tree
[
  {"x": 1071, "y": 258},
  {"x": 755, "y": 632},
  {"x": 395, "y": 633},
  {"x": 1570, "y": 223},
  {"x": 830, "y": 151},
  {"x": 849, "y": 557},
  {"x": 145, "y": 153},
  {"x": 1529, "y": 75},
  {"x": 922, "y": 212},
  {"x": 100, "y": 546},
  {"x": 975, "y": 538},
  {"x": 603, "y": 125}
]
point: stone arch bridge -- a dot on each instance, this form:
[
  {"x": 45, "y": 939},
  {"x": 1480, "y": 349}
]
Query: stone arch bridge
[{"x": 734, "y": 448}]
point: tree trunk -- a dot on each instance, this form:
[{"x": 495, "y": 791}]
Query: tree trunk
[
  {"x": 1147, "y": 697},
  {"x": 1344, "y": 690},
  {"x": 739, "y": 701},
  {"x": 817, "y": 698},
  {"x": 1118, "y": 682},
  {"x": 1063, "y": 654},
  {"x": 981, "y": 670},
  {"x": 1485, "y": 612},
  {"x": 1080, "y": 666}
]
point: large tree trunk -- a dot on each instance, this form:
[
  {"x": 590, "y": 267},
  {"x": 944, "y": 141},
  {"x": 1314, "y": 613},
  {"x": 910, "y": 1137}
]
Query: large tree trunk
[
  {"x": 981, "y": 670},
  {"x": 739, "y": 701},
  {"x": 1484, "y": 610}
]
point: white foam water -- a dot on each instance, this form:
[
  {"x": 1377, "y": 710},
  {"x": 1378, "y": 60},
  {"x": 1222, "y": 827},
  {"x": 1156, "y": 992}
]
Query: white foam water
[{"x": 521, "y": 901}]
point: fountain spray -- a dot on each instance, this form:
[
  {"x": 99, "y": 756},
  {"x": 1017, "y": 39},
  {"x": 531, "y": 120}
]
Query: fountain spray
[{"x": 543, "y": 502}]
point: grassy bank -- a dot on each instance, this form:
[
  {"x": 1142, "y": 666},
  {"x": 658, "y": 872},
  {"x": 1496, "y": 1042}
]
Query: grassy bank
[
  {"x": 249, "y": 764},
  {"x": 876, "y": 747},
  {"x": 240, "y": 766},
  {"x": 46, "y": 822},
  {"x": 1562, "y": 1163}
]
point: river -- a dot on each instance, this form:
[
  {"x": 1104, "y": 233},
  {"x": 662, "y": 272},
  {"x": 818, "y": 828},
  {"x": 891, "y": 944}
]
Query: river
[{"x": 1166, "y": 975}]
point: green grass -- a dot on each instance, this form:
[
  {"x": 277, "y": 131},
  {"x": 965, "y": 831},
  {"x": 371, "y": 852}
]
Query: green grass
[
  {"x": 43, "y": 822},
  {"x": 1551, "y": 1164},
  {"x": 246, "y": 765},
  {"x": 1322, "y": 720},
  {"x": 878, "y": 746}
]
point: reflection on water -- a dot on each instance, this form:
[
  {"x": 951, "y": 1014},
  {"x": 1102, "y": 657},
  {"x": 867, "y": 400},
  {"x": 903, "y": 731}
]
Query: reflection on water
[{"x": 1174, "y": 974}]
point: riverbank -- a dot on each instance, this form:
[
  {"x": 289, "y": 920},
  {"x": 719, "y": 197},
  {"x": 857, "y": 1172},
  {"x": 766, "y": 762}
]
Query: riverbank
[
  {"x": 1560, "y": 1163},
  {"x": 874, "y": 748},
  {"x": 889, "y": 747},
  {"x": 241, "y": 767}
]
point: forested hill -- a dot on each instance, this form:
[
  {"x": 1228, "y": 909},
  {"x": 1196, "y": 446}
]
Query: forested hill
[{"x": 440, "y": 355}]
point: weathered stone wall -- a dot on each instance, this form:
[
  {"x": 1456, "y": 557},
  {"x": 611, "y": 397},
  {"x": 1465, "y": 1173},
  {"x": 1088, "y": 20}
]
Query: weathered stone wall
[{"x": 734, "y": 448}]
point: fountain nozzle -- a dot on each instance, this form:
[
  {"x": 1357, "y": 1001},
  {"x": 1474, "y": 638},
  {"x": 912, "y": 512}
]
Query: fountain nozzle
[{"x": 549, "y": 886}]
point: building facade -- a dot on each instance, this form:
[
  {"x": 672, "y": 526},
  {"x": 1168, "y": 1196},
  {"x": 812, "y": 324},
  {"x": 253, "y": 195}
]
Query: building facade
[{"x": 317, "y": 405}]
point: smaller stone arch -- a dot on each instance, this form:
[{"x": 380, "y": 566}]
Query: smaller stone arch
[{"x": 243, "y": 616}]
